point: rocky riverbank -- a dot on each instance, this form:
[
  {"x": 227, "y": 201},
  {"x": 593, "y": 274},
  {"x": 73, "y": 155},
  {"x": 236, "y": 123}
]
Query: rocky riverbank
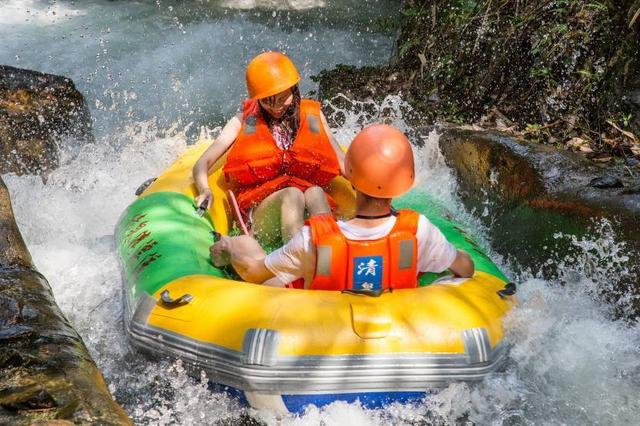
[
  {"x": 46, "y": 373},
  {"x": 563, "y": 73},
  {"x": 532, "y": 193}
]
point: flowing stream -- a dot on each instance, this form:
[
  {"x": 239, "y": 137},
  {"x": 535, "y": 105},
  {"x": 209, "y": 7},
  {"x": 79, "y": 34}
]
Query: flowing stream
[{"x": 156, "y": 74}]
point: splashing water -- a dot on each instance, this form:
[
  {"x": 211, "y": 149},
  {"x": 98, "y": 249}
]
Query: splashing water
[
  {"x": 274, "y": 4},
  {"x": 605, "y": 262},
  {"x": 34, "y": 12},
  {"x": 571, "y": 361},
  {"x": 181, "y": 62}
]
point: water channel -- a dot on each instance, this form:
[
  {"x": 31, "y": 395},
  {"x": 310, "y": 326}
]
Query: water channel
[{"x": 156, "y": 75}]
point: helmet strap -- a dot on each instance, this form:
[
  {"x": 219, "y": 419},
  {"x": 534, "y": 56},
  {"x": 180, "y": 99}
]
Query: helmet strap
[{"x": 391, "y": 212}]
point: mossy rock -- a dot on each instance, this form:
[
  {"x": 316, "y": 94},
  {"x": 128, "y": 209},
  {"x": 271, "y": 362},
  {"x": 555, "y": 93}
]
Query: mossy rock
[
  {"x": 36, "y": 111},
  {"x": 46, "y": 372}
]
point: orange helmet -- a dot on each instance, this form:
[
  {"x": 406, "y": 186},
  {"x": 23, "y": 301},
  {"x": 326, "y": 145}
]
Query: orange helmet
[
  {"x": 379, "y": 162},
  {"x": 270, "y": 73}
]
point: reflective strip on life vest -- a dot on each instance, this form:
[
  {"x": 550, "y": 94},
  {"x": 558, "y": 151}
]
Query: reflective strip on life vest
[{"x": 314, "y": 123}]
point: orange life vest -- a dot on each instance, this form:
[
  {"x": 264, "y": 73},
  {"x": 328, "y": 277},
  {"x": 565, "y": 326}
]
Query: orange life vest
[
  {"x": 257, "y": 167},
  {"x": 343, "y": 264}
]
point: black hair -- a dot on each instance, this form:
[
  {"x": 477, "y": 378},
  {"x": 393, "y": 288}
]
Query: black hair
[{"x": 292, "y": 113}]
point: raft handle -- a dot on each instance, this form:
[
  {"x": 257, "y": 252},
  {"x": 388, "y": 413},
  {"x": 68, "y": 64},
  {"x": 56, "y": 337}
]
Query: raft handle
[
  {"x": 143, "y": 187},
  {"x": 508, "y": 290},
  {"x": 167, "y": 300},
  {"x": 363, "y": 292}
]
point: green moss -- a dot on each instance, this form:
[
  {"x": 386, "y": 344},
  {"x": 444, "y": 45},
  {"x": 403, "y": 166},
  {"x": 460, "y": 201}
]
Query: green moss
[{"x": 570, "y": 63}]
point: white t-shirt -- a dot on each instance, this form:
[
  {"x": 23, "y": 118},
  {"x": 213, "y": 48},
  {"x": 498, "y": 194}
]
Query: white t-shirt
[{"x": 297, "y": 258}]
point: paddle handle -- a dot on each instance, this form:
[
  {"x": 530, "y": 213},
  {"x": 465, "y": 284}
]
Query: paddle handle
[{"x": 238, "y": 214}]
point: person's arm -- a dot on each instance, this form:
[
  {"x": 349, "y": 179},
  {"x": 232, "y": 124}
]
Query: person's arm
[
  {"x": 202, "y": 167},
  {"x": 336, "y": 146},
  {"x": 463, "y": 265},
  {"x": 245, "y": 255},
  {"x": 279, "y": 268},
  {"x": 436, "y": 254}
]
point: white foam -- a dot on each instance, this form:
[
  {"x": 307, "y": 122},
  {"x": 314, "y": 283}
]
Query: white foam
[
  {"x": 29, "y": 12},
  {"x": 571, "y": 361},
  {"x": 273, "y": 4}
]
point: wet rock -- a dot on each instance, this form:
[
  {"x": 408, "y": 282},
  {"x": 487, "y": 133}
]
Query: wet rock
[
  {"x": 13, "y": 252},
  {"x": 29, "y": 312},
  {"x": 631, "y": 162},
  {"x": 46, "y": 372},
  {"x": 514, "y": 171},
  {"x": 9, "y": 310},
  {"x": 634, "y": 97},
  {"x": 36, "y": 110},
  {"x": 606, "y": 182},
  {"x": 527, "y": 193},
  {"x": 631, "y": 191},
  {"x": 15, "y": 331},
  {"x": 11, "y": 359}
]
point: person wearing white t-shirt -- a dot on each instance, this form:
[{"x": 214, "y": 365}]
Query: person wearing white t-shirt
[{"x": 378, "y": 249}]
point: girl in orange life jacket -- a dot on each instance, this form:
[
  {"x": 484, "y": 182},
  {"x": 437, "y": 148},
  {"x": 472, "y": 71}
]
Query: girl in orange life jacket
[{"x": 280, "y": 152}]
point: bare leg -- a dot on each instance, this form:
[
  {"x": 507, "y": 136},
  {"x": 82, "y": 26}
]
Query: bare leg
[
  {"x": 316, "y": 201},
  {"x": 279, "y": 216}
]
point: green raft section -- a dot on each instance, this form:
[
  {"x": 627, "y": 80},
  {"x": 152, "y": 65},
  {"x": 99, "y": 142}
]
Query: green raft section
[
  {"x": 423, "y": 203},
  {"x": 161, "y": 239}
]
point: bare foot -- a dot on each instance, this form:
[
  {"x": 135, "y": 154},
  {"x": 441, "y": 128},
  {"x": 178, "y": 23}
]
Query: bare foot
[{"x": 220, "y": 253}]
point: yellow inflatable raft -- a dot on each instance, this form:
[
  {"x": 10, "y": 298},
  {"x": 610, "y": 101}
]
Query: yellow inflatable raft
[{"x": 286, "y": 348}]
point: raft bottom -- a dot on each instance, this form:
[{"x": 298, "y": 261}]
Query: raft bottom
[{"x": 297, "y": 404}]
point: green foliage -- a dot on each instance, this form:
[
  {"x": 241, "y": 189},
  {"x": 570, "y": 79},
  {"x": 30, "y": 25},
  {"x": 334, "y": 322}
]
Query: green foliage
[
  {"x": 407, "y": 46},
  {"x": 533, "y": 132},
  {"x": 410, "y": 12},
  {"x": 386, "y": 25},
  {"x": 597, "y": 6},
  {"x": 589, "y": 75},
  {"x": 541, "y": 72},
  {"x": 562, "y": 7},
  {"x": 534, "y": 61},
  {"x": 626, "y": 119}
]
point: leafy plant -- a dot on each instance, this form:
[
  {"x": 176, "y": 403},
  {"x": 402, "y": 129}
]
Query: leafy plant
[
  {"x": 626, "y": 119},
  {"x": 386, "y": 25}
]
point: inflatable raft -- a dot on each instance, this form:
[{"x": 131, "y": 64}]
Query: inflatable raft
[{"x": 283, "y": 349}]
